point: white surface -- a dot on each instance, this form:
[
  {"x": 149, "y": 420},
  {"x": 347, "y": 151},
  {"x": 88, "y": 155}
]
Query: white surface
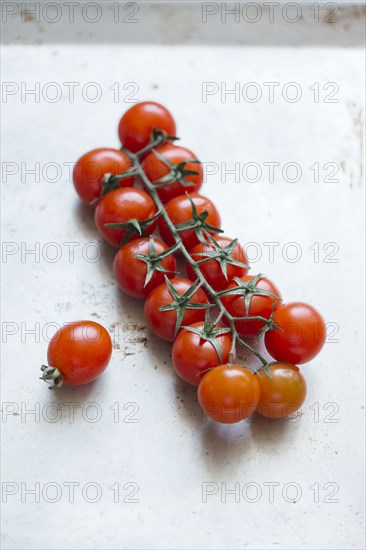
[{"x": 171, "y": 451}]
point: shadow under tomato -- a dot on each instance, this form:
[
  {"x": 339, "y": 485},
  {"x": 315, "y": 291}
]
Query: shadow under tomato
[
  {"x": 84, "y": 216},
  {"x": 75, "y": 395},
  {"x": 225, "y": 444},
  {"x": 187, "y": 403},
  {"x": 268, "y": 432}
]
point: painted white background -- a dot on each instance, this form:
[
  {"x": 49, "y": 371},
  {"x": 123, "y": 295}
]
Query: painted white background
[{"x": 171, "y": 452}]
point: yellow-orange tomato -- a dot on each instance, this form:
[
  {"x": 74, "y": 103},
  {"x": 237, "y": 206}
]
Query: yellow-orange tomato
[
  {"x": 283, "y": 393},
  {"x": 229, "y": 394}
]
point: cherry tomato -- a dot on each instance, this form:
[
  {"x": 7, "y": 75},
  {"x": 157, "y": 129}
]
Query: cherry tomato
[
  {"x": 121, "y": 206},
  {"x": 229, "y": 394},
  {"x": 138, "y": 122},
  {"x": 162, "y": 323},
  {"x": 260, "y": 305},
  {"x": 179, "y": 210},
  {"x": 131, "y": 272},
  {"x": 155, "y": 168},
  {"x": 283, "y": 393},
  {"x": 302, "y": 337},
  {"x": 91, "y": 167},
  {"x": 80, "y": 351},
  {"x": 211, "y": 269},
  {"x": 193, "y": 355}
]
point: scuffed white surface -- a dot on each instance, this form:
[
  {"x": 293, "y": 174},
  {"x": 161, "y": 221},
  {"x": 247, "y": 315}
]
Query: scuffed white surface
[{"x": 170, "y": 452}]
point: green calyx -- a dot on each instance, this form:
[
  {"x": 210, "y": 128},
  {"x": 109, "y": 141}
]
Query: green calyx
[
  {"x": 153, "y": 260},
  {"x": 222, "y": 255},
  {"x": 158, "y": 137},
  {"x": 269, "y": 324},
  {"x": 178, "y": 172},
  {"x": 266, "y": 370},
  {"x": 198, "y": 223},
  {"x": 134, "y": 227},
  {"x": 210, "y": 332},
  {"x": 111, "y": 181},
  {"x": 248, "y": 290},
  {"x": 53, "y": 376},
  {"x": 182, "y": 302}
]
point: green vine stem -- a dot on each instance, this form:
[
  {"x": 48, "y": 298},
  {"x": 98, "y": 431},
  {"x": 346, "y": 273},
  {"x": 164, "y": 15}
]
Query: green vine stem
[{"x": 216, "y": 296}]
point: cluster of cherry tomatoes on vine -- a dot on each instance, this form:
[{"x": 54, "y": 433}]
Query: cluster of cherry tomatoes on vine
[{"x": 152, "y": 183}]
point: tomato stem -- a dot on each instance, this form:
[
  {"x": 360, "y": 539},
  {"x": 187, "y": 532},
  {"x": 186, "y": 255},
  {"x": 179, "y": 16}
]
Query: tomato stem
[
  {"x": 216, "y": 296},
  {"x": 52, "y": 375}
]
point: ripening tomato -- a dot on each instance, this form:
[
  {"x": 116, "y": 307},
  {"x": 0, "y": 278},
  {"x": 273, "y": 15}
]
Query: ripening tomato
[
  {"x": 229, "y": 394},
  {"x": 121, "y": 206},
  {"x": 179, "y": 210},
  {"x": 260, "y": 305},
  {"x": 91, "y": 167},
  {"x": 155, "y": 168},
  {"x": 302, "y": 336},
  {"x": 212, "y": 269},
  {"x": 283, "y": 393},
  {"x": 80, "y": 351},
  {"x": 162, "y": 323},
  {"x": 131, "y": 272},
  {"x": 138, "y": 122},
  {"x": 192, "y": 355}
]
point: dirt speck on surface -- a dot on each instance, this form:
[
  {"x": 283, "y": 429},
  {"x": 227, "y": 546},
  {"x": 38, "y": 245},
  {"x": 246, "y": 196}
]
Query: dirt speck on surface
[
  {"x": 26, "y": 16},
  {"x": 143, "y": 341}
]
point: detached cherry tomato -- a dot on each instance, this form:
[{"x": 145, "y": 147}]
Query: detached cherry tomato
[
  {"x": 80, "y": 351},
  {"x": 162, "y": 323},
  {"x": 193, "y": 355},
  {"x": 121, "y": 206},
  {"x": 179, "y": 210},
  {"x": 211, "y": 269},
  {"x": 229, "y": 394},
  {"x": 91, "y": 167},
  {"x": 155, "y": 168},
  {"x": 302, "y": 337},
  {"x": 136, "y": 125},
  {"x": 283, "y": 393},
  {"x": 131, "y": 272},
  {"x": 260, "y": 305}
]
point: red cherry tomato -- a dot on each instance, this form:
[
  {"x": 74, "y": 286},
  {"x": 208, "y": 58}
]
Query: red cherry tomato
[
  {"x": 302, "y": 337},
  {"x": 211, "y": 269},
  {"x": 229, "y": 394},
  {"x": 193, "y": 356},
  {"x": 179, "y": 210},
  {"x": 80, "y": 351},
  {"x": 259, "y": 306},
  {"x": 162, "y": 323},
  {"x": 91, "y": 167},
  {"x": 136, "y": 125},
  {"x": 283, "y": 393},
  {"x": 155, "y": 168},
  {"x": 131, "y": 272},
  {"x": 121, "y": 206}
]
